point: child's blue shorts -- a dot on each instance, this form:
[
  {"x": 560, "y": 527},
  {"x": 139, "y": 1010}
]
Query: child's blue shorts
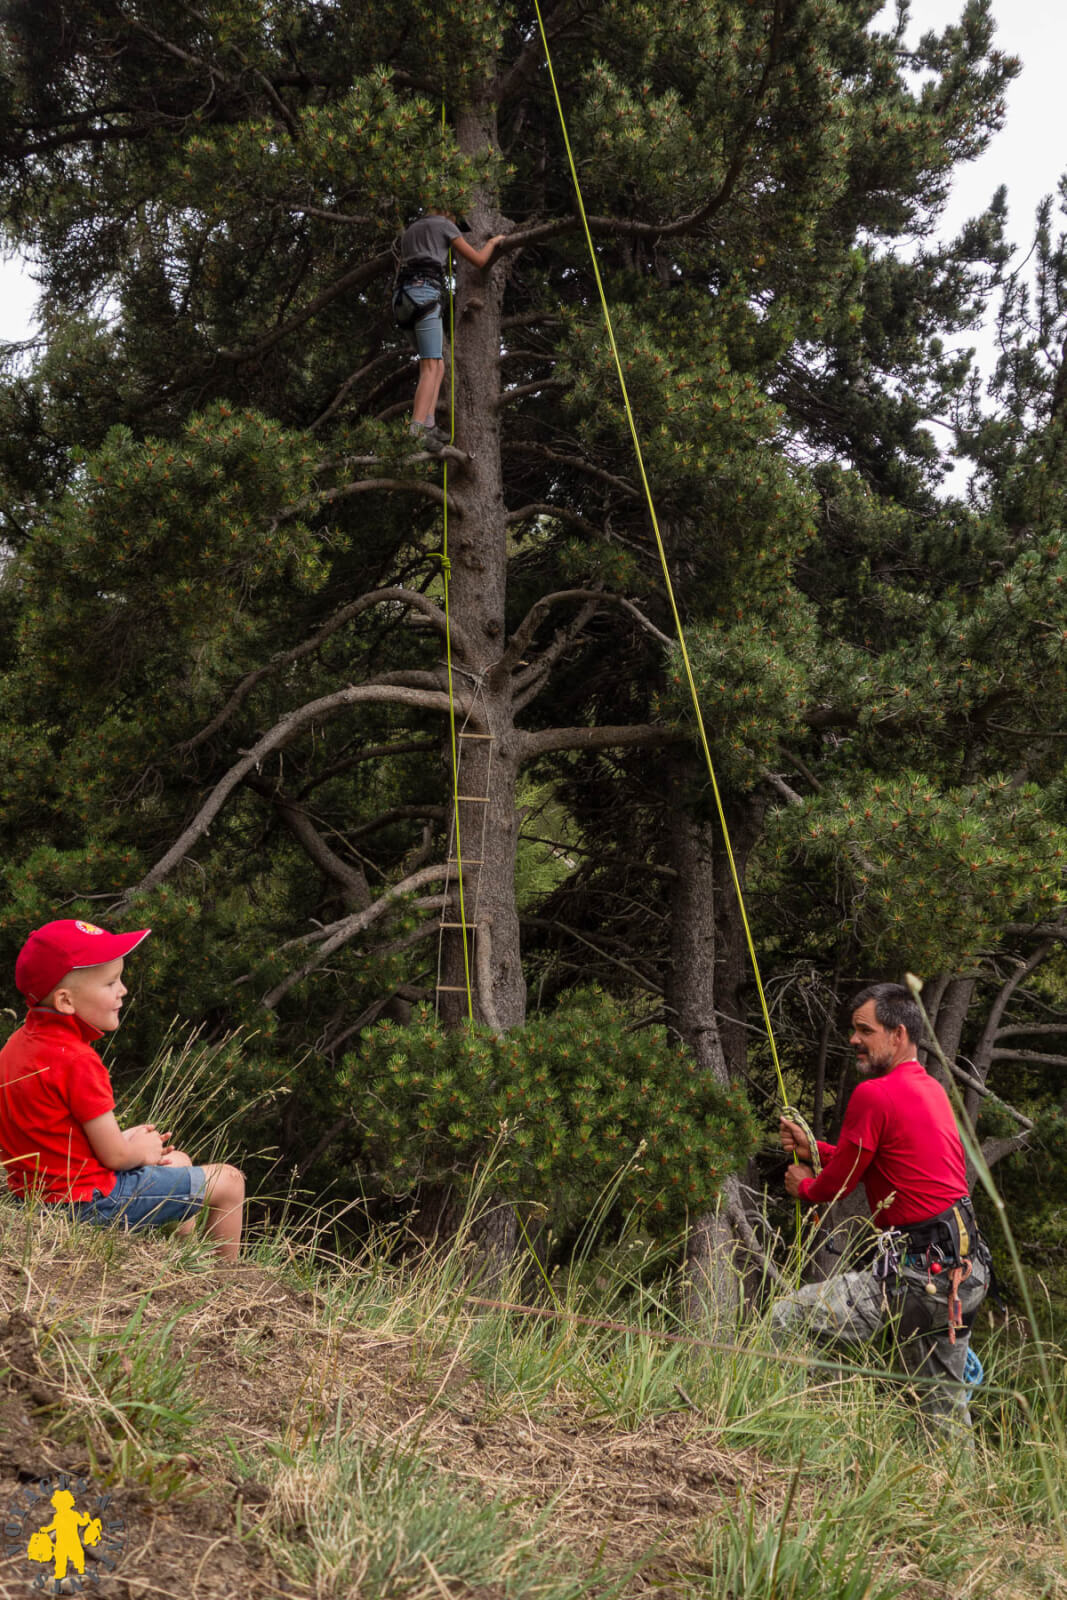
[
  {"x": 143, "y": 1197},
  {"x": 428, "y": 334}
]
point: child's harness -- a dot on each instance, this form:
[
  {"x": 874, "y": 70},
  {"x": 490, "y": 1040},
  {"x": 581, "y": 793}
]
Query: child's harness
[
  {"x": 422, "y": 269},
  {"x": 945, "y": 1243}
]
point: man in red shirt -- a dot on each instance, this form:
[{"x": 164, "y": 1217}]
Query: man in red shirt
[{"x": 932, "y": 1270}]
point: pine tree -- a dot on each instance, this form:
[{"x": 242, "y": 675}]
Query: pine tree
[{"x": 225, "y": 586}]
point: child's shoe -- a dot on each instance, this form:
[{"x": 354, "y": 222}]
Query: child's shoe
[{"x": 429, "y": 437}]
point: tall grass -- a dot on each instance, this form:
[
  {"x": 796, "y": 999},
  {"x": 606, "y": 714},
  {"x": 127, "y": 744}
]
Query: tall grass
[{"x": 438, "y": 1443}]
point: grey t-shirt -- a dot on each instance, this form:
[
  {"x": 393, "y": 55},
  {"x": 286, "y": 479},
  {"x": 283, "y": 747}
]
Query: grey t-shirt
[{"x": 428, "y": 239}]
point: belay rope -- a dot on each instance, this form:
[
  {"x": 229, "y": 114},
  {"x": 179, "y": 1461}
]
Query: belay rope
[{"x": 669, "y": 586}]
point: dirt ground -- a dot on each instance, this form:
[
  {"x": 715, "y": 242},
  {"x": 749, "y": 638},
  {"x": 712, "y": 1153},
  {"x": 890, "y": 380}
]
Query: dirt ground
[{"x": 269, "y": 1367}]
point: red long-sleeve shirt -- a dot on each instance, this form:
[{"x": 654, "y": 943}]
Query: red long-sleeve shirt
[{"x": 900, "y": 1136}]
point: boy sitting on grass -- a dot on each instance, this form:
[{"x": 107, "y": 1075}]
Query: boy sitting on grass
[{"x": 59, "y": 1139}]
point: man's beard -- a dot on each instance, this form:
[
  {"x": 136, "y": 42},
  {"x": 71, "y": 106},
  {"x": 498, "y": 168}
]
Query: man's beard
[{"x": 873, "y": 1066}]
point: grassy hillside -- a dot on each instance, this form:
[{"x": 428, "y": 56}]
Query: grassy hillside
[{"x": 303, "y": 1427}]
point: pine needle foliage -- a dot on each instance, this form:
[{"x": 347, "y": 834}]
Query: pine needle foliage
[{"x": 578, "y": 1096}]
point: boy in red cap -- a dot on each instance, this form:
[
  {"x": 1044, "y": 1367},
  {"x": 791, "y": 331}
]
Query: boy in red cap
[{"x": 59, "y": 1138}]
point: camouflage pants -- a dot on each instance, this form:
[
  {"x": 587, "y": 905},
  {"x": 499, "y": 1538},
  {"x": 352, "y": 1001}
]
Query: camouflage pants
[{"x": 854, "y": 1307}]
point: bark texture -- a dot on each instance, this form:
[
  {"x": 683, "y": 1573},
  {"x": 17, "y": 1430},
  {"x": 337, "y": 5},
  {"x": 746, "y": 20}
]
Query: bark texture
[{"x": 718, "y": 1250}]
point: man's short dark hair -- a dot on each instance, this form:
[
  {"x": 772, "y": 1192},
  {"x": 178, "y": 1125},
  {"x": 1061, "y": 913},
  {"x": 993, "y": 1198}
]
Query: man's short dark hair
[{"x": 894, "y": 1007}]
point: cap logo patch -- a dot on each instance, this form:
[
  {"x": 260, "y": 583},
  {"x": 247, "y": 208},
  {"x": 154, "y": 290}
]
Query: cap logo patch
[{"x": 88, "y": 927}]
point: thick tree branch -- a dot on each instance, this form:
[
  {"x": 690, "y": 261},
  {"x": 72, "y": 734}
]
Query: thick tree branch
[
  {"x": 984, "y": 1054},
  {"x": 351, "y": 880},
  {"x": 1029, "y": 1055},
  {"x": 523, "y": 447},
  {"x": 425, "y": 930},
  {"x": 335, "y": 934},
  {"x": 629, "y": 227},
  {"x": 606, "y": 955},
  {"x": 530, "y": 683},
  {"x": 545, "y": 508},
  {"x": 647, "y": 736},
  {"x": 405, "y": 597},
  {"x": 401, "y": 814},
  {"x": 980, "y": 1088},
  {"x": 994, "y": 1150},
  {"x": 384, "y": 357},
  {"x": 326, "y": 497},
  {"x": 213, "y": 71},
  {"x": 275, "y": 739},
  {"x": 86, "y": 130},
  {"x": 1032, "y": 1028},
  {"x": 779, "y": 784},
  {"x": 367, "y": 752},
  {"x": 357, "y": 278},
  {"x": 530, "y": 59},
  {"x": 541, "y": 386},
  {"x": 526, "y": 629}
]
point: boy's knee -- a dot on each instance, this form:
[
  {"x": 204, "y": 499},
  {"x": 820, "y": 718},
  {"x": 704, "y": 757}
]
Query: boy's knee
[{"x": 225, "y": 1184}]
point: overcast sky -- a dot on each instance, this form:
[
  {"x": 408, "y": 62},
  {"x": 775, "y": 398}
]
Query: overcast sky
[{"x": 1028, "y": 156}]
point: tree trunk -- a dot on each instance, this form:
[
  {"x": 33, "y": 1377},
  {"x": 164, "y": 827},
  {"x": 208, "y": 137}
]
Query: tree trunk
[
  {"x": 486, "y": 764},
  {"x": 444, "y": 1218},
  {"x": 733, "y": 962},
  {"x": 719, "y": 1246},
  {"x": 486, "y": 768},
  {"x": 819, "y": 1101},
  {"x": 951, "y": 1016}
]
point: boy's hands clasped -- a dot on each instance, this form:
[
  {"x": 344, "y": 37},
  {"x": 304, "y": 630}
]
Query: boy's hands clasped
[{"x": 158, "y": 1149}]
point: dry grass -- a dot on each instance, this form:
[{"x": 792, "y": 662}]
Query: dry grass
[{"x": 365, "y": 1433}]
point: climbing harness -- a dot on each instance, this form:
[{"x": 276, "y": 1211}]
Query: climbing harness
[
  {"x": 423, "y": 271},
  {"x": 943, "y": 1245},
  {"x": 947, "y": 1243},
  {"x": 888, "y": 1259}
]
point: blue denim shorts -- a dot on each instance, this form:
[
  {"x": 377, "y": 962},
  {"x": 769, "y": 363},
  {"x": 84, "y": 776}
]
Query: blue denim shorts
[
  {"x": 143, "y": 1197},
  {"x": 428, "y": 334}
]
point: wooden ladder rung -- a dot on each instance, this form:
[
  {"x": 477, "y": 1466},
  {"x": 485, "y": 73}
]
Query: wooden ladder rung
[
  {"x": 474, "y": 799},
  {"x": 471, "y": 926},
  {"x": 451, "y": 988},
  {"x": 468, "y": 861},
  {"x": 461, "y": 735}
]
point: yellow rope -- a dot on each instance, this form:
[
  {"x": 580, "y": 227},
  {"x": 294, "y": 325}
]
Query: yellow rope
[{"x": 663, "y": 563}]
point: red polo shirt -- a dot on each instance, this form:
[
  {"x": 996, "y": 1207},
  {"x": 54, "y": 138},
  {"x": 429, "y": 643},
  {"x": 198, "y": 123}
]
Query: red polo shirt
[
  {"x": 51, "y": 1082},
  {"x": 900, "y": 1136}
]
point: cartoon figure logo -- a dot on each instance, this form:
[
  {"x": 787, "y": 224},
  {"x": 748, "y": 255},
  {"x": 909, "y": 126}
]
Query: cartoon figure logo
[
  {"x": 88, "y": 927},
  {"x": 64, "y": 1526},
  {"x": 59, "y": 1544}
]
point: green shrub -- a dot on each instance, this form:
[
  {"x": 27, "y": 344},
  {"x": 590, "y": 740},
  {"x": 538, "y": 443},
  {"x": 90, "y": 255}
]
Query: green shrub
[{"x": 575, "y": 1098}]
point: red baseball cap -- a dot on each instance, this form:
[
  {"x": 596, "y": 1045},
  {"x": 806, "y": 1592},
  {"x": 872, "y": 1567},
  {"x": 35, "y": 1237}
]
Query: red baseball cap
[{"x": 59, "y": 947}]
